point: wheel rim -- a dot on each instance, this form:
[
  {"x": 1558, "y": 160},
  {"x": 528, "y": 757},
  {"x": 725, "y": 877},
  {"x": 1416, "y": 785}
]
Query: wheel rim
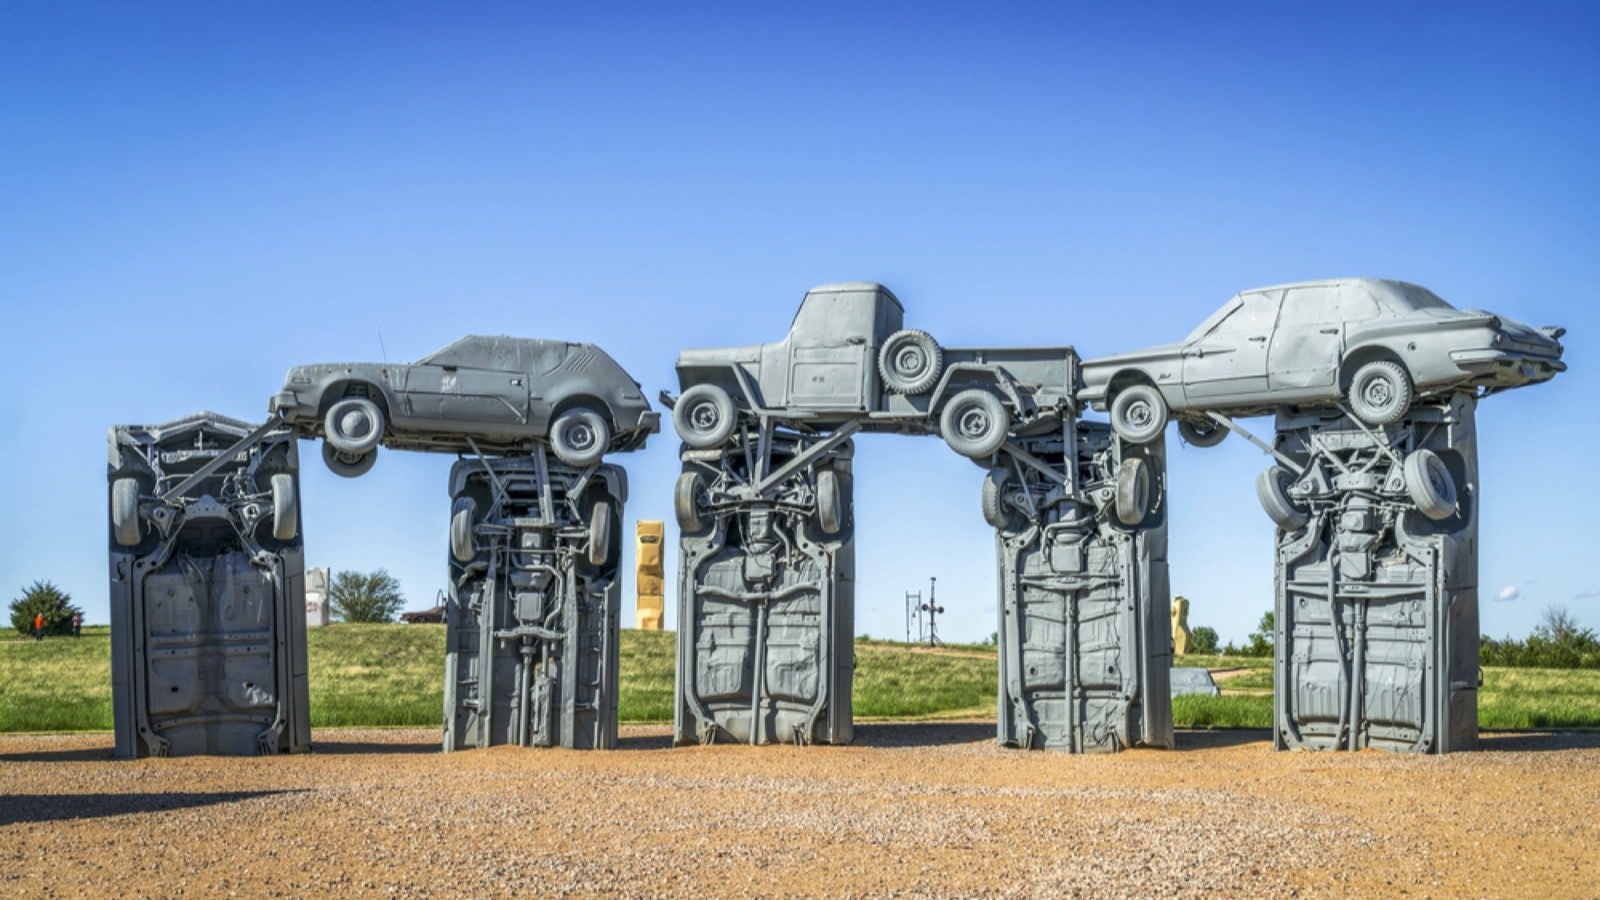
[
  {"x": 974, "y": 423},
  {"x": 1140, "y": 415},
  {"x": 910, "y": 361},
  {"x": 580, "y": 437},
  {"x": 703, "y": 417},
  {"x": 355, "y": 425},
  {"x": 1378, "y": 392}
]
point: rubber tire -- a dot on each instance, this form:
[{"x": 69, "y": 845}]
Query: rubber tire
[
  {"x": 600, "y": 533},
  {"x": 705, "y": 416},
  {"x": 285, "y": 507},
  {"x": 975, "y": 423},
  {"x": 1392, "y": 385},
  {"x": 829, "y": 502},
  {"x": 580, "y": 437},
  {"x": 1206, "y": 433},
  {"x": 996, "y": 511},
  {"x": 125, "y": 525},
  {"x": 685, "y": 502},
  {"x": 1430, "y": 484},
  {"x": 911, "y": 345},
  {"x": 332, "y": 457},
  {"x": 1133, "y": 491},
  {"x": 463, "y": 539},
  {"x": 353, "y": 425},
  {"x": 1272, "y": 490},
  {"x": 1139, "y": 413}
]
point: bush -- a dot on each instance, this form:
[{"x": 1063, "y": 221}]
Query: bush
[
  {"x": 1260, "y": 639},
  {"x": 43, "y": 597},
  {"x": 1203, "y": 640}
]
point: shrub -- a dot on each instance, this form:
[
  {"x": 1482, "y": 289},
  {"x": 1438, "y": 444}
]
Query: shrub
[{"x": 43, "y": 597}]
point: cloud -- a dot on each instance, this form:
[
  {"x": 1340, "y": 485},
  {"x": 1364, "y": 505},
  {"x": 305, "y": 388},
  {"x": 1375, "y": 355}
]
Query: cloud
[
  {"x": 1509, "y": 592},
  {"x": 1590, "y": 594}
]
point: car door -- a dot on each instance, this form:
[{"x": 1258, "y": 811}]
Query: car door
[
  {"x": 1303, "y": 358},
  {"x": 1228, "y": 364},
  {"x": 466, "y": 397}
]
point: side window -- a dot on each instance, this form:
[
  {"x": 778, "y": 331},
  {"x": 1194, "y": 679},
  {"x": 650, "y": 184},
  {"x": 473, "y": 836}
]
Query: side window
[
  {"x": 1253, "y": 318},
  {"x": 1306, "y": 307},
  {"x": 1356, "y": 304}
]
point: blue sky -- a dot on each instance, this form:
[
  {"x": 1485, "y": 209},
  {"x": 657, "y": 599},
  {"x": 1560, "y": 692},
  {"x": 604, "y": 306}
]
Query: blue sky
[{"x": 199, "y": 196}]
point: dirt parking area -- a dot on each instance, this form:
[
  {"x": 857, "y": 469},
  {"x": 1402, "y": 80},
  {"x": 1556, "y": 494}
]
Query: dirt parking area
[{"x": 909, "y": 810}]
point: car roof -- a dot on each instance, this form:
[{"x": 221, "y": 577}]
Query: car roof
[
  {"x": 845, "y": 287},
  {"x": 1325, "y": 282},
  {"x": 490, "y": 351}
]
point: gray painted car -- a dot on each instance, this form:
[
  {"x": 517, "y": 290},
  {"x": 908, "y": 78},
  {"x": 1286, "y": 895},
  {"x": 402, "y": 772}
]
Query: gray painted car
[
  {"x": 1371, "y": 343},
  {"x": 482, "y": 393}
]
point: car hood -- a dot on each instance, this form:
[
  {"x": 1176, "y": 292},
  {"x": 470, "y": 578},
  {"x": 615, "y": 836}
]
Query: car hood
[{"x": 1102, "y": 367}]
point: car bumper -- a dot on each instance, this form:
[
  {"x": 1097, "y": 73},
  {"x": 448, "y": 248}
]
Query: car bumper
[
  {"x": 288, "y": 406},
  {"x": 1501, "y": 368}
]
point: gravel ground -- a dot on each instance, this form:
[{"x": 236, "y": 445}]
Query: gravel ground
[{"x": 909, "y": 810}]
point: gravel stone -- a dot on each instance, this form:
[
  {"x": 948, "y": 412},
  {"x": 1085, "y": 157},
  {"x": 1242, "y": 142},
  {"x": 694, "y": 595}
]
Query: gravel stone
[{"x": 909, "y": 810}]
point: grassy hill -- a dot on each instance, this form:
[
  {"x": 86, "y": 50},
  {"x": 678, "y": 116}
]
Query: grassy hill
[{"x": 382, "y": 675}]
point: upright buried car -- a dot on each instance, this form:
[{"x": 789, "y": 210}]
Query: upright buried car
[
  {"x": 481, "y": 393},
  {"x": 1371, "y": 343}
]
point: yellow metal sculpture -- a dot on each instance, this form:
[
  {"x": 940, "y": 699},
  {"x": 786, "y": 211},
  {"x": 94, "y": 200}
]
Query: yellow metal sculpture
[
  {"x": 1180, "y": 626},
  {"x": 649, "y": 576}
]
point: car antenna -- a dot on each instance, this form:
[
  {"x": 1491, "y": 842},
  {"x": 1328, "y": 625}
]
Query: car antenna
[{"x": 381, "y": 348}]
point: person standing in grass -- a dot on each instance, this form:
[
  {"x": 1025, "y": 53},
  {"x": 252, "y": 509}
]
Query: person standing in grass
[
  {"x": 77, "y": 624},
  {"x": 38, "y": 627}
]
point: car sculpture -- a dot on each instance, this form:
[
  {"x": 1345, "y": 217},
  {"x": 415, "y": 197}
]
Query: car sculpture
[
  {"x": 480, "y": 394},
  {"x": 847, "y": 359},
  {"x": 1370, "y": 343}
]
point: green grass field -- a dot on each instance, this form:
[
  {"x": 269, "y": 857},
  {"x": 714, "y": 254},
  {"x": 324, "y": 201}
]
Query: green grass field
[{"x": 390, "y": 675}]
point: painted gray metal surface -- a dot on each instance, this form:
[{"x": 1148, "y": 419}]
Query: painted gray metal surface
[
  {"x": 767, "y": 550},
  {"x": 847, "y": 359},
  {"x": 208, "y": 641},
  {"x": 1377, "y": 600},
  {"x": 533, "y": 608},
  {"x": 480, "y": 394},
  {"x": 1374, "y": 344},
  {"x": 1081, "y": 540},
  {"x": 766, "y": 591},
  {"x": 1193, "y": 680}
]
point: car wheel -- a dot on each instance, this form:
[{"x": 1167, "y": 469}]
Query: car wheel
[
  {"x": 996, "y": 511},
  {"x": 580, "y": 437},
  {"x": 1380, "y": 392},
  {"x": 975, "y": 423},
  {"x": 704, "y": 416},
  {"x": 910, "y": 361},
  {"x": 1272, "y": 489},
  {"x": 463, "y": 537},
  {"x": 1202, "y": 432},
  {"x": 1133, "y": 491},
  {"x": 1430, "y": 484},
  {"x": 829, "y": 501},
  {"x": 348, "y": 465},
  {"x": 354, "y": 425},
  {"x": 1139, "y": 413},
  {"x": 285, "y": 507},
  {"x": 686, "y": 502},
  {"x": 600, "y": 533},
  {"x": 125, "y": 525}
]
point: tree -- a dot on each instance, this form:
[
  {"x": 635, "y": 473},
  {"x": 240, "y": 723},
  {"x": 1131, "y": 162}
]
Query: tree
[
  {"x": 1556, "y": 624},
  {"x": 365, "y": 596},
  {"x": 43, "y": 597},
  {"x": 1261, "y": 638},
  {"x": 1203, "y": 640}
]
